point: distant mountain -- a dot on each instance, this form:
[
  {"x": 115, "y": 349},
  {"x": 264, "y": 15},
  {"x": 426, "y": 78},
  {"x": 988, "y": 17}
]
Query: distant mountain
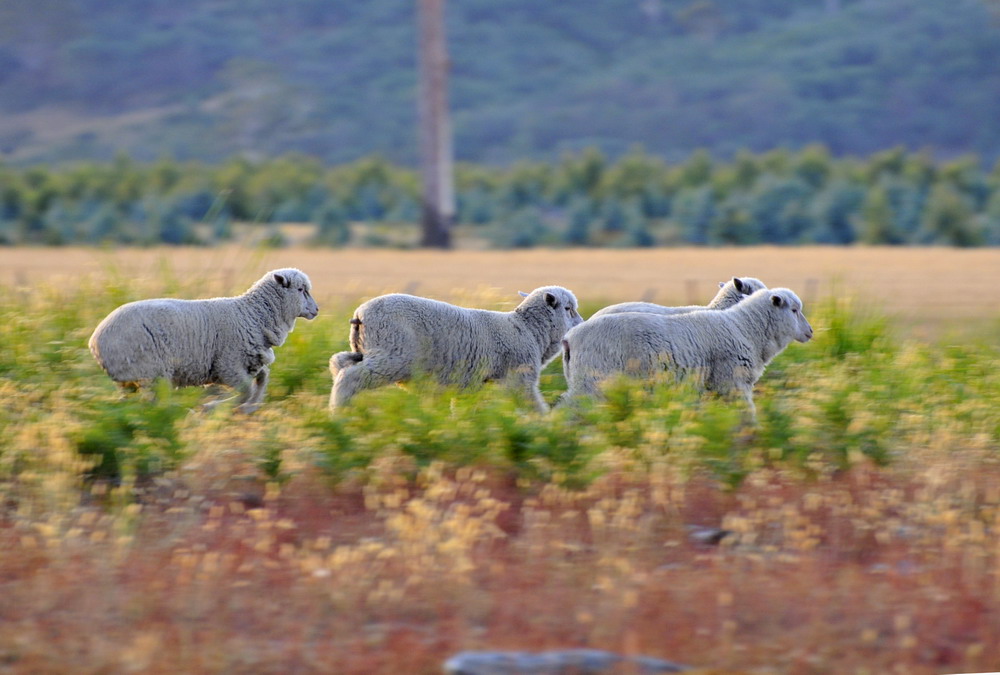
[{"x": 206, "y": 79}]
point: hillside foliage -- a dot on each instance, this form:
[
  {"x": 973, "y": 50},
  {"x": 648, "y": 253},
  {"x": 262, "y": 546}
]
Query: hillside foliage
[
  {"x": 207, "y": 79},
  {"x": 585, "y": 199}
]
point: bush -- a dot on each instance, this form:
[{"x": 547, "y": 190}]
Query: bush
[
  {"x": 523, "y": 229},
  {"x": 333, "y": 226}
]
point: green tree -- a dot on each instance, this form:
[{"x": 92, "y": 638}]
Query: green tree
[
  {"x": 580, "y": 174},
  {"x": 877, "y": 219},
  {"x": 834, "y": 212},
  {"x": 778, "y": 208},
  {"x": 733, "y": 225},
  {"x": 948, "y": 219},
  {"x": 579, "y": 221},
  {"x": 333, "y": 226},
  {"x": 698, "y": 169},
  {"x": 694, "y": 209},
  {"x": 814, "y": 165},
  {"x": 524, "y": 229},
  {"x": 991, "y": 219}
]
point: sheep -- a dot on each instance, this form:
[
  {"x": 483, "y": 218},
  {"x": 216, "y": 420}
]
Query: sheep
[
  {"x": 725, "y": 350},
  {"x": 225, "y": 341},
  {"x": 730, "y": 292},
  {"x": 395, "y": 337}
]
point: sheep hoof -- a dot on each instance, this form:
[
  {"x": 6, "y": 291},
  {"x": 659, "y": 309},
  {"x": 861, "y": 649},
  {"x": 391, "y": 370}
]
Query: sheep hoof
[{"x": 209, "y": 406}]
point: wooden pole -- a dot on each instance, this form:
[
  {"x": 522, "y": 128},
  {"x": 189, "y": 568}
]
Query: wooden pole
[{"x": 436, "y": 154}]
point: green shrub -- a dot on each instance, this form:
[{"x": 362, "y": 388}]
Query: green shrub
[{"x": 857, "y": 392}]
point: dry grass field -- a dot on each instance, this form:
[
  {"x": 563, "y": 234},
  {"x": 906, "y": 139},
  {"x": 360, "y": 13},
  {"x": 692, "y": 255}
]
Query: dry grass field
[
  {"x": 929, "y": 289},
  {"x": 854, "y": 530}
]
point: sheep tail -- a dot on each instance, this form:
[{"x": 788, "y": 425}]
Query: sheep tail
[
  {"x": 343, "y": 360},
  {"x": 355, "y": 334}
]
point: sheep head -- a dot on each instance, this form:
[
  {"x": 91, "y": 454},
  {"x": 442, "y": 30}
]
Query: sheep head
[
  {"x": 790, "y": 310},
  {"x": 297, "y": 289}
]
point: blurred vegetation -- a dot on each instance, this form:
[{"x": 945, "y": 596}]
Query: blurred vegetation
[
  {"x": 585, "y": 199},
  {"x": 207, "y": 79},
  {"x": 852, "y": 530},
  {"x": 855, "y": 393}
]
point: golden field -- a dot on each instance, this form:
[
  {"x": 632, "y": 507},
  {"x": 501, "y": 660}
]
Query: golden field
[
  {"x": 854, "y": 530},
  {"x": 929, "y": 288}
]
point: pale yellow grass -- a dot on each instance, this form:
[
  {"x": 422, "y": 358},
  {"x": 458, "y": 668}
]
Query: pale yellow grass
[{"x": 929, "y": 289}]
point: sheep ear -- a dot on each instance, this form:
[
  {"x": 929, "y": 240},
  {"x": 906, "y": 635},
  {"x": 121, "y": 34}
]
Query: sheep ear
[
  {"x": 522, "y": 294},
  {"x": 777, "y": 300},
  {"x": 284, "y": 281},
  {"x": 738, "y": 283},
  {"x": 721, "y": 284},
  {"x": 551, "y": 300}
]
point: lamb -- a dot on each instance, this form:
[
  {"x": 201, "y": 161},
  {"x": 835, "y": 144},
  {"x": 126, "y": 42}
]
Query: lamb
[
  {"x": 730, "y": 292},
  {"x": 726, "y": 351},
  {"x": 395, "y": 337},
  {"x": 225, "y": 341}
]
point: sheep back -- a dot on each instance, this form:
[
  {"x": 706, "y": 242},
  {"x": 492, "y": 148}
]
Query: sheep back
[
  {"x": 730, "y": 293},
  {"x": 178, "y": 340}
]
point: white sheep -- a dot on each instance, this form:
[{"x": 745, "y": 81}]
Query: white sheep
[
  {"x": 395, "y": 337},
  {"x": 725, "y": 351},
  {"x": 730, "y": 292},
  {"x": 225, "y": 341}
]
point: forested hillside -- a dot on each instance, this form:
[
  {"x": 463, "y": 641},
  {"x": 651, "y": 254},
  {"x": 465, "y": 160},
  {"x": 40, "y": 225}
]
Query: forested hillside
[
  {"x": 207, "y": 79},
  {"x": 585, "y": 199}
]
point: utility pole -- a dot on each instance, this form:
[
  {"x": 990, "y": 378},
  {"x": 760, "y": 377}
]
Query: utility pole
[{"x": 436, "y": 155}]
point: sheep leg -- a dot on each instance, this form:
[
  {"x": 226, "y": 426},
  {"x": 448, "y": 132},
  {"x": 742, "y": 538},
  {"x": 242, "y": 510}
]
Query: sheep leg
[
  {"x": 254, "y": 395},
  {"x": 249, "y": 388},
  {"x": 526, "y": 382},
  {"x": 129, "y": 389},
  {"x": 350, "y": 381},
  {"x": 208, "y": 406},
  {"x": 344, "y": 360},
  {"x": 584, "y": 382},
  {"x": 751, "y": 411}
]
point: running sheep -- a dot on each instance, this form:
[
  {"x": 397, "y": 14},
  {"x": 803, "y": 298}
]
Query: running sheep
[
  {"x": 396, "y": 337},
  {"x": 725, "y": 351},
  {"x": 730, "y": 293},
  {"x": 225, "y": 341}
]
